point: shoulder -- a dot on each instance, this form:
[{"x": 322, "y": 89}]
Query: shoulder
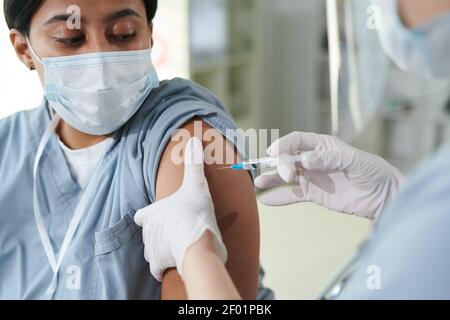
[
  {"x": 178, "y": 97},
  {"x": 182, "y": 87},
  {"x": 427, "y": 190},
  {"x": 168, "y": 109},
  {"x": 218, "y": 152},
  {"x": 171, "y": 107},
  {"x": 172, "y": 104},
  {"x": 19, "y": 135},
  {"x": 22, "y": 124}
]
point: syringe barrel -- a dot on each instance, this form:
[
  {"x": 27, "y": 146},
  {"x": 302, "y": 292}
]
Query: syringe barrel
[{"x": 266, "y": 163}]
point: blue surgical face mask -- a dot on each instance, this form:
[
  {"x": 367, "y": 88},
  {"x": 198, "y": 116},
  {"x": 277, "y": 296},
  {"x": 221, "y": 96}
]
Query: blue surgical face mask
[
  {"x": 98, "y": 93},
  {"x": 424, "y": 50}
]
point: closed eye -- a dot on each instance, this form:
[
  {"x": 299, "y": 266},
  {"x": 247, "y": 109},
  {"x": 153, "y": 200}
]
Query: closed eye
[
  {"x": 70, "y": 42},
  {"x": 124, "y": 37}
]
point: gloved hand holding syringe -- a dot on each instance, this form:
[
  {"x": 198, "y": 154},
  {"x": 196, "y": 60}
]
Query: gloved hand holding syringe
[
  {"x": 285, "y": 168},
  {"x": 266, "y": 163},
  {"x": 326, "y": 171}
]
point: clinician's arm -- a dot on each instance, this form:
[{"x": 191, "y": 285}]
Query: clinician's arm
[
  {"x": 236, "y": 212},
  {"x": 407, "y": 257},
  {"x": 204, "y": 273}
]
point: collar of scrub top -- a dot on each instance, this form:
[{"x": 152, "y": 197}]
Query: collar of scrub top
[{"x": 56, "y": 260}]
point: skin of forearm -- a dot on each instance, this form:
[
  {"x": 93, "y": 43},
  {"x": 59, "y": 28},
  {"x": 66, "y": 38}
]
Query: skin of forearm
[{"x": 205, "y": 275}]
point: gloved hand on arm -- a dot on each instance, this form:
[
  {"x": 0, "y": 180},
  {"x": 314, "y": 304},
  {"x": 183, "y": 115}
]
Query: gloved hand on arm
[
  {"x": 331, "y": 174},
  {"x": 174, "y": 224}
]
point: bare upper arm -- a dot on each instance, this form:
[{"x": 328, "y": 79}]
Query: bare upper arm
[{"x": 236, "y": 212}]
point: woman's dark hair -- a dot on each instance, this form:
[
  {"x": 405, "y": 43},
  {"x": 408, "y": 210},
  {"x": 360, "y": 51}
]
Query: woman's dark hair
[{"x": 18, "y": 13}]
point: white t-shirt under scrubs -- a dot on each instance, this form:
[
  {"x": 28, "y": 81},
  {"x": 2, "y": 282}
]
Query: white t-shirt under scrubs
[{"x": 82, "y": 162}]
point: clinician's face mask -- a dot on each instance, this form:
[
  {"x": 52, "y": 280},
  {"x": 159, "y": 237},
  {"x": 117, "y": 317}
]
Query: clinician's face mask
[
  {"x": 98, "y": 93},
  {"x": 424, "y": 50}
]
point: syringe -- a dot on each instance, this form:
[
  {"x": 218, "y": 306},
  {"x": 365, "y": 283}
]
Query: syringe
[{"x": 262, "y": 163}]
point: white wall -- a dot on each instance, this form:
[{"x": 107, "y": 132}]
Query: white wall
[
  {"x": 291, "y": 34},
  {"x": 19, "y": 88}
]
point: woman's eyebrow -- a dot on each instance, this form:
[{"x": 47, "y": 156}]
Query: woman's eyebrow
[
  {"x": 115, "y": 16},
  {"x": 60, "y": 18},
  {"x": 121, "y": 14}
]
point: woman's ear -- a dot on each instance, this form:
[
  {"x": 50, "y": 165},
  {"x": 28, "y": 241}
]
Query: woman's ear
[
  {"x": 150, "y": 26},
  {"x": 20, "y": 44}
]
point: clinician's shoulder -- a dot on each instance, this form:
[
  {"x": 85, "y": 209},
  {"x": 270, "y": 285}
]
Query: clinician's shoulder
[
  {"x": 408, "y": 251},
  {"x": 427, "y": 191}
]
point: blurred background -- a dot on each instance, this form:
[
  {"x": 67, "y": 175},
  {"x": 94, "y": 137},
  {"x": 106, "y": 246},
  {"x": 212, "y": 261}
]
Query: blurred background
[{"x": 269, "y": 62}]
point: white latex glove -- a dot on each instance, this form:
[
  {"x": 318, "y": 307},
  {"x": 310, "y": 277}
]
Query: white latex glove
[
  {"x": 331, "y": 174},
  {"x": 172, "y": 225}
]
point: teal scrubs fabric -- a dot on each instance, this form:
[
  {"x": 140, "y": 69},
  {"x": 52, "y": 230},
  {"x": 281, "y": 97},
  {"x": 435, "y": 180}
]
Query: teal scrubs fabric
[{"x": 105, "y": 259}]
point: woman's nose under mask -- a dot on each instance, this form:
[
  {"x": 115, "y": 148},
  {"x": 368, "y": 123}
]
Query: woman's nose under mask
[{"x": 97, "y": 93}]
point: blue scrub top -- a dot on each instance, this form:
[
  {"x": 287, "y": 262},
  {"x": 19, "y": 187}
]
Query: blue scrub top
[
  {"x": 105, "y": 259},
  {"x": 408, "y": 255}
]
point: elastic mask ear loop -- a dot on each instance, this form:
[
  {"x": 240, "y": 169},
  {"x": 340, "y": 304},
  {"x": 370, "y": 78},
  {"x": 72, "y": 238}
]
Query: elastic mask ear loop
[
  {"x": 33, "y": 52},
  {"x": 51, "y": 111}
]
